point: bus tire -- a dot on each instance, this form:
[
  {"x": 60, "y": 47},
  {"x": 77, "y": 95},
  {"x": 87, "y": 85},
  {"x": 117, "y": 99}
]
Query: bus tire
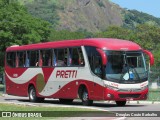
[
  {"x": 65, "y": 100},
  {"x": 85, "y": 98},
  {"x": 32, "y": 95},
  {"x": 121, "y": 103}
]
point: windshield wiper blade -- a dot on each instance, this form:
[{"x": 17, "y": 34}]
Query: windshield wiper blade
[{"x": 135, "y": 71}]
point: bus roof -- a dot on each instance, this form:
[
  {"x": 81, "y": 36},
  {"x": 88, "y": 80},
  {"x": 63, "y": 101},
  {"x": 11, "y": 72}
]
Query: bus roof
[{"x": 103, "y": 43}]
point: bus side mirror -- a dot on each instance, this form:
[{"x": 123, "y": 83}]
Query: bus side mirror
[
  {"x": 151, "y": 57},
  {"x": 103, "y": 56}
]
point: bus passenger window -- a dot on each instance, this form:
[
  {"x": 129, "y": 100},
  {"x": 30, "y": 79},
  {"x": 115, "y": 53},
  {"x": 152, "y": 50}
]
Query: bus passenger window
[
  {"x": 27, "y": 62},
  {"x": 21, "y": 58},
  {"x": 60, "y": 55},
  {"x": 81, "y": 59},
  {"x": 54, "y": 58},
  {"x": 11, "y": 59},
  {"x": 65, "y": 59},
  {"x": 69, "y": 60},
  {"x": 46, "y": 56},
  {"x": 34, "y": 58},
  {"x": 77, "y": 57}
]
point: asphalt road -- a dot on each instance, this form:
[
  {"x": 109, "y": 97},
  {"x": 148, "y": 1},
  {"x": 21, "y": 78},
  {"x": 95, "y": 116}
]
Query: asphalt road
[{"x": 106, "y": 106}]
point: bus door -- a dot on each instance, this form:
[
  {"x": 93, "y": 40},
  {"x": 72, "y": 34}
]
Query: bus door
[
  {"x": 98, "y": 82},
  {"x": 95, "y": 62}
]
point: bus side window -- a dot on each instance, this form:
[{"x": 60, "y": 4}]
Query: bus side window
[
  {"x": 81, "y": 59},
  {"x": 75, "y": 58},
  {"x": 97, "y": 64},
  {"x": 45, "y": 57},
  {"x": 89, "y": 51},
  {"x": 27, "y": 61},
  {"x": 95, "y": 60},
  {"x": 21, "y": 58},
  {"x": 40, "y": 58},
  {"x": 11, "y": 59},
  {"x": 34, "y": 58},
  {"x": 69, "y": 56},
  {"x": 65, "y": 59},
  {"x": 60, "y": 55},
  {"x": 54, "y": 57}
]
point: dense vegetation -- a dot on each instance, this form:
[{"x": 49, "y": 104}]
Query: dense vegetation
[
  {"x": 44, "y": 9},
  {"x": 18, "y": 26},
  {"x": 132, "y": 18}
]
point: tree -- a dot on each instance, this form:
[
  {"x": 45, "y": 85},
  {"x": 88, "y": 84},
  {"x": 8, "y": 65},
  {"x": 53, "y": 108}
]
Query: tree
[
  {"x": 65, "y": 35},
  {"x": 17, "y": 26},
  {"x": 116, "y": 32},
  {"x": 148, "y": 36},
  {"x": 44, "y": 9}
]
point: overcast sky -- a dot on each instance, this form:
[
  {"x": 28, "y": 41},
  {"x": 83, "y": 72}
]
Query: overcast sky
[{"x": 151, "y": 7}]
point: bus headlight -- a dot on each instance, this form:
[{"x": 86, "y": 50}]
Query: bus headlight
[
  {"x": 111, "y": 87},
  {"x": 144, "y": 87}
]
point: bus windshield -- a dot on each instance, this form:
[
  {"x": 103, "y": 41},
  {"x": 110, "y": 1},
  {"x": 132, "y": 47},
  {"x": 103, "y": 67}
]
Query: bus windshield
[{"x": 126, "y": 66}]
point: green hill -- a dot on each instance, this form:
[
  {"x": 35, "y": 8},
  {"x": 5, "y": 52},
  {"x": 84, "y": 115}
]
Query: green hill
[
  {"x": 90, "y": 15},
  {"x": 87, "y": 15},
  {"x": 132, "y": 18}
]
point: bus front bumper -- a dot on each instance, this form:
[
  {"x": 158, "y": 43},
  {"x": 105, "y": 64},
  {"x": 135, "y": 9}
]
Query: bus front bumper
[{"x": 129, "y": 95}]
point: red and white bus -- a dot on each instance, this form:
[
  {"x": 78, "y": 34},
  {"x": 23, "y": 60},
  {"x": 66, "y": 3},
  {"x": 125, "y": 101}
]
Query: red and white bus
[{"x": 89, "y": 69}]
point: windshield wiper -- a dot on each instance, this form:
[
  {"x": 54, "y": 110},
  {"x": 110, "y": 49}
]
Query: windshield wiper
[{"x": 136, "y": 73}]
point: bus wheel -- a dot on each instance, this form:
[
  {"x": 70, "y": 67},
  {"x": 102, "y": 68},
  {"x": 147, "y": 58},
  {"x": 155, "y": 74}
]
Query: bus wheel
[
  {"x": 32, "y": 95},
  {"x": 66, "y": 100},
  {"x": 85, "y": 99},
  {"x": 121, "y": 103}
]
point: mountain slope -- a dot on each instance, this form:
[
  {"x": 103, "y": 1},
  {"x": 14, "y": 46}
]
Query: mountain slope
[
  {"x": 86, "y": 15},
  {"x": 90, "y": 15}
]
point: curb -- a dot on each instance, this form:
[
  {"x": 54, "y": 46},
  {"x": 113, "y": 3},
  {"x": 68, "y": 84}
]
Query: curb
[
  {"x": 143, "y": 102},
  {"x": 136, "y": 102}
]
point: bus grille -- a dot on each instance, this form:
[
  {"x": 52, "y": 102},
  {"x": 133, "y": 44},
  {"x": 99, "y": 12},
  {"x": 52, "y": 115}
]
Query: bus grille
[
  {"x": 129, "y": 95},
  {"x": 128, "y": 90}
]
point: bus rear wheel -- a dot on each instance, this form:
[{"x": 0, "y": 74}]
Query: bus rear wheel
[
  {"x": 121, "y": 103},
  {"x": 32, "y": 95},
  {"x": 85, "y": 98}
]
